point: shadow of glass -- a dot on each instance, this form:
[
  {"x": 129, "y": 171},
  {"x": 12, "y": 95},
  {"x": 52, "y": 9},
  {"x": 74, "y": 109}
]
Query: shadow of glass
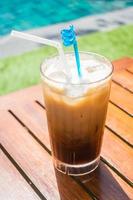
[
  {"x": 69, "y": 189},
  {"x": 101, "y": 183}
]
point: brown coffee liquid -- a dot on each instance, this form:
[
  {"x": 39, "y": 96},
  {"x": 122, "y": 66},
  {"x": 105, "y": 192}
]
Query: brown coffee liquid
[{"x": 76, "y": 125}]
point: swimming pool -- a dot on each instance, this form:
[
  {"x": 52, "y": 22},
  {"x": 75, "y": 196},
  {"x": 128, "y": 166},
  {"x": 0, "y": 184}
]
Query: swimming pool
[{"x": 24, "y": 14}]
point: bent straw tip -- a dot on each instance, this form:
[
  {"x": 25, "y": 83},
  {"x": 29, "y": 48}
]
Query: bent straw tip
[{"x": 13, "y": 32}]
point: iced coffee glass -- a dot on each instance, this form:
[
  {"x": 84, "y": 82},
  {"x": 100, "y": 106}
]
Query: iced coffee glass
[{"x": 76, "y": 110}]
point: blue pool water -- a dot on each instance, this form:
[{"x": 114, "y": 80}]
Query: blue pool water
[{"x": 28, "y": 14}]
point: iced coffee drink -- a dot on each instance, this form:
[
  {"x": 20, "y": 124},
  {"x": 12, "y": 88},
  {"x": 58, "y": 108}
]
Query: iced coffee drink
[{"x": 76, "y": 110}]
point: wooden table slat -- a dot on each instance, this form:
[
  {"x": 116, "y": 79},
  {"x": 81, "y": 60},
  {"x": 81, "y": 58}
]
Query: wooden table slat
[
  {"x": 121, "y": 75},
  {"x": 130, "y": 68},
  {"x": 122, "y": 98},
  {"x": 122, "y": 63},
  {"x": 125, "y": 79},
  {"x": 34, "y": 160},
  {"x": 12, "y": 184},
  {"x": 120, "y": 122},
  {"x": 115, "y": 151}
]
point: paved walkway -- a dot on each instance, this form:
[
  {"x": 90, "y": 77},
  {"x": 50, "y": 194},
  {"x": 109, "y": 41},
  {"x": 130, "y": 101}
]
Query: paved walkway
[{"x": 104, "y": 22}]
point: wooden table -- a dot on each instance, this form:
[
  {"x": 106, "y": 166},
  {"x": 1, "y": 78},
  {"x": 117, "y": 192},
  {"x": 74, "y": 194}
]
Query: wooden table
[{"x": 26, "y": 170}]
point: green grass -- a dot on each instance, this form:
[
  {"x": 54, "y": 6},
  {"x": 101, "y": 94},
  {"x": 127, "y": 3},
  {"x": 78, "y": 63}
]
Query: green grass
[{"x": 22, "y": 71}]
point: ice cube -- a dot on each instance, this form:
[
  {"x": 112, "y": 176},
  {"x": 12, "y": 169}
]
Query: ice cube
[
  {"x": 75, "y": 91},
  {"x": 95, "y": 73},
  {"x": 94, "y": 68},
  {"x": 57, "y": 81},
  {"x": 58, "y": 76}
]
